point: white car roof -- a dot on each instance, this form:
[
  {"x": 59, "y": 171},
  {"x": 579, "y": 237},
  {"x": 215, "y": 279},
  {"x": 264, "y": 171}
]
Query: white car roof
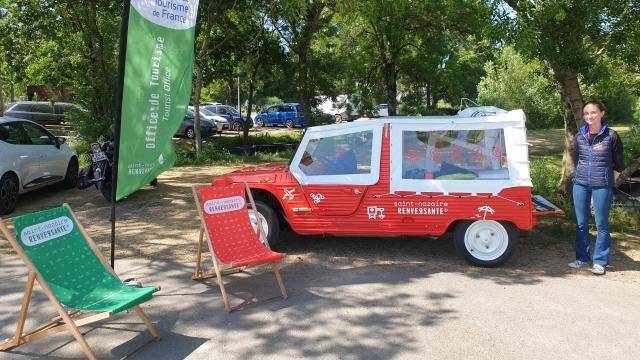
[{"x": 511, "y": 118}]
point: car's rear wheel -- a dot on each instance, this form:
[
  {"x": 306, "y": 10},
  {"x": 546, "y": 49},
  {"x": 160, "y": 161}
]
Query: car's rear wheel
[
  {"x": 260, "y": 123},
  {"x": 190, "y": 133},
  {"x": 268, "y": 221},
  {"x": 71, "y": 176},
  {"x": 8, "y": 193},
  {"x": 289, "y": 123},
  {"x": 338, "y": 118},
  {"x": 485, "y": 242}
]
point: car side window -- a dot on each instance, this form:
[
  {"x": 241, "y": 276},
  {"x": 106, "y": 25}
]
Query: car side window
[
  {"x": 454, "y": 155},
  {"x": 61, "y": 109},
  {"x": 22, "y": 107},
  {"x": 38, "y": 135},
  {"x": 43, "y": 108},
  {"x": 222, "y": 110},
  {"x": 15, "y": 134},
  {"x": 338, "y": 155},
  {"x": 11, "y": 134}
]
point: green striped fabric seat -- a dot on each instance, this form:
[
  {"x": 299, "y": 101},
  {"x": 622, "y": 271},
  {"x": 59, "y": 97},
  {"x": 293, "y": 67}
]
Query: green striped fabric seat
[{"x": 56, "y": 247}]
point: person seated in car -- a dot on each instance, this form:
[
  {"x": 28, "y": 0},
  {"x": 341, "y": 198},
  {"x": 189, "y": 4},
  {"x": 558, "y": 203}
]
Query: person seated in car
[{"x": 345, "y": 162}]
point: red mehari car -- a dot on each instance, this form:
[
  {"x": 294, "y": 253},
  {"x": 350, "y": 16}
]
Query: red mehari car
[{"x": 406, "y": 176}]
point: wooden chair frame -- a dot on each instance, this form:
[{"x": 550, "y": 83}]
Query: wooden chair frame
[
  {"x": 65, "y": 321},
  {"x": 219, "y": 268}
]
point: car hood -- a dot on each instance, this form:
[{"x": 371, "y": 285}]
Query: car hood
[{"x": 262, "y": 169}]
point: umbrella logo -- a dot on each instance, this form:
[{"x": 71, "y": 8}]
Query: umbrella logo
[{"x": 485, "y": 209}]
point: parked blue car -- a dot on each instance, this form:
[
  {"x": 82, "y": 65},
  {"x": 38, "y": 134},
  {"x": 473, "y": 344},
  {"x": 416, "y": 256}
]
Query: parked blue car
[
  {"x": 228, "y": 112},
  {"x": 288, "y": 115}
]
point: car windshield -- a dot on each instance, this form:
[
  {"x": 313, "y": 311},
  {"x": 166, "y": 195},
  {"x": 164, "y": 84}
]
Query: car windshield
[
  {"x": 206, "y": 112},
  {"x": 232, "y": 110}
]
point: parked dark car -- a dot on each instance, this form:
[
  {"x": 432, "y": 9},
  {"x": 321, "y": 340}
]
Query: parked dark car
[
  {"x": 288, "y": 115},
  {"x": 41, "y": 112},
  {"x": 230, "y": 113},
  {"x": 207, "y": 127}
]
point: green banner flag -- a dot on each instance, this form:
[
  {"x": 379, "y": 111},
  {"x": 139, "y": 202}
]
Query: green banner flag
[{"x": 157, "y": 88}]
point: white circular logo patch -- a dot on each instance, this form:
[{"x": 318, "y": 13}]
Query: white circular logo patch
[{"x": 173, "y": 14}]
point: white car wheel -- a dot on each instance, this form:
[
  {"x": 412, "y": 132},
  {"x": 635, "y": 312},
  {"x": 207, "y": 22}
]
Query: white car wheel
[{"x": 485, "y": 242}]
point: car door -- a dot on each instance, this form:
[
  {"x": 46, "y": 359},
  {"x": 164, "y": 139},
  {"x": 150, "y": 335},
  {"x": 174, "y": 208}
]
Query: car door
[
  {"x": 53, "y": 161},
  {"x": 26, "y": 157},
  {"x": 336, "y": 168},
  {"x": 222, "y": 111},
  {"x": 43, "y": 114},
  {"x": 271, "y": 115}
]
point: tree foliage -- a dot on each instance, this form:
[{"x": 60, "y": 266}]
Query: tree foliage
[{"x": 513, "y": 83}]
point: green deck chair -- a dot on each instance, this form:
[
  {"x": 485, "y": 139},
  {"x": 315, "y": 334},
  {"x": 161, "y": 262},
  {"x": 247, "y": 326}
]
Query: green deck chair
[{"x": 72, "y": 272}]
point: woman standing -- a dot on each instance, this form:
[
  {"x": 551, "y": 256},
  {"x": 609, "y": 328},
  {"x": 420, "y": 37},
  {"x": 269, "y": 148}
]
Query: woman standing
[{"x": 600, "y": 161}]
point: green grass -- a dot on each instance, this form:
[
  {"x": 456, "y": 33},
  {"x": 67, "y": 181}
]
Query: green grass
[{"x": 217, "y": 150}]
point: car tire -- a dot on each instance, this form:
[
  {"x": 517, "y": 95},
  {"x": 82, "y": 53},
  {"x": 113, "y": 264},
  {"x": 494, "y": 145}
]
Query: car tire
[
  {"x": 190, "y": 133},
  {"x": 289, "y": 124},
  {"x": 71, "y": 176},
  {"x": 270, "y": 223},
  {"x": 338, "y": 118},
  {"x": 260, "y": 123},
  {"x": 236, "y": 126},
  {"x": 8, "y": 193},
  {"x": 485, "y": 243}
]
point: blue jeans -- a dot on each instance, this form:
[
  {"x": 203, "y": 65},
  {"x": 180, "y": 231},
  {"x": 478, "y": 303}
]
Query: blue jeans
[{"x": 602, "y": 197}]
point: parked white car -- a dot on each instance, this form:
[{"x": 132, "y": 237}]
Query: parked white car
[
  {"x": 343, "y": 108},
  {"x": 382, "y": 110},
  {"x": 30, "y": 158},
  {"x": 221, "y": 123}
]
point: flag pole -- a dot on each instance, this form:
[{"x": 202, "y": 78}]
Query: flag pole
[{"x": 124, "y": 25}]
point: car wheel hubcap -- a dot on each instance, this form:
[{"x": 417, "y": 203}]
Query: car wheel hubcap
[
  {"x": 486, "y": 240},
  {"x": 263, "y": 222},
  {"x": 191, "y": 134}
]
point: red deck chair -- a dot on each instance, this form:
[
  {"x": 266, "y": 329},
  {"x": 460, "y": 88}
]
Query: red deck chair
[{"x": 233, "y": 242}]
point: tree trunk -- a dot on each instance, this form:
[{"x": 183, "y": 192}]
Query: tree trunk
[
  {"x": 571, "y": 99},
  {"x": 303, "y": 84},
  {"x": 635, "y": 165},
  {"x": 252, "y": 81},
  {"x": 196, "y": 105},
  {"x": 198, "y": 59},
  {"x": 428, "y": 96},
  {"x": 390, "y": 90},
  {"x": 1, "y": 97},
  {"x": 12, "y": 92}
]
